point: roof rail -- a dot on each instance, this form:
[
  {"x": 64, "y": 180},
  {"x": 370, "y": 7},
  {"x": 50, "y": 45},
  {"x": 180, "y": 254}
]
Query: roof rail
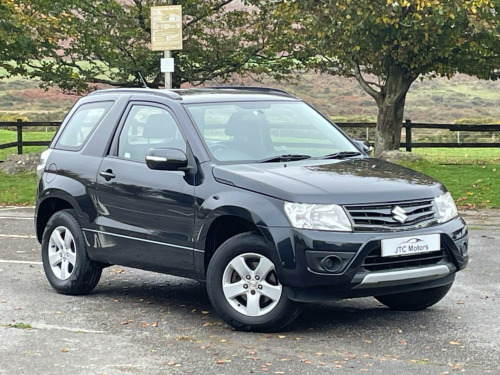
[
  {"x": 139, "y": 90},
  {"x": 254, "y": 88}
]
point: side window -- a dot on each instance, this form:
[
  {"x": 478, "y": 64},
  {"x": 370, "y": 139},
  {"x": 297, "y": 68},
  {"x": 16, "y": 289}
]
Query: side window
[
  {"x": 148, "y": 127},
  {"x": 81, "y": 125}
]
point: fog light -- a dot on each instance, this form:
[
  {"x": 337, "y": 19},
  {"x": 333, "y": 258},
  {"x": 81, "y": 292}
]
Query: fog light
[
  {"x": 463, "y": 248},
  {"x": 331, "y": 263}
]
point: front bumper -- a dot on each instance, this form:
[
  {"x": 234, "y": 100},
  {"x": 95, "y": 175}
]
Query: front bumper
[{"x": 359, "y": 270}]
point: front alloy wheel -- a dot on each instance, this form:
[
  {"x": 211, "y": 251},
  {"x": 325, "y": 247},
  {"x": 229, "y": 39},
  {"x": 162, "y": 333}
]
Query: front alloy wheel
[
  {"x": 250, "y": 284},
  {"x": 243, "y": 286}
]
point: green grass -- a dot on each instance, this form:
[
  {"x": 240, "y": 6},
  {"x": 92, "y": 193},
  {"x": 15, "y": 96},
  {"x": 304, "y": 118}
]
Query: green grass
[
  {"x": 471, "y": 185},
  {"x": 7, "y": 136},
  {"x": 21, "y": 325},
  {"x": 17, "y": 189},
  {"x": 459, "y": 155}
]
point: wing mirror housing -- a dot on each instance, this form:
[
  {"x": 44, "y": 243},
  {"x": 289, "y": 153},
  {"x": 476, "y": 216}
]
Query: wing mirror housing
[
  {"x": 167, "y": 159},
  {"x": 362, "y": 146}
]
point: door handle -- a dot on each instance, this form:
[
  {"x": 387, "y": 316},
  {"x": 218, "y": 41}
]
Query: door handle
[{"x": 107, "y": 174}]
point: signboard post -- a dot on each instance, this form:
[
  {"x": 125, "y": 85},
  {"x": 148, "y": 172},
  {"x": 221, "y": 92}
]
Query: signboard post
[{"x": 166, "y": 35}]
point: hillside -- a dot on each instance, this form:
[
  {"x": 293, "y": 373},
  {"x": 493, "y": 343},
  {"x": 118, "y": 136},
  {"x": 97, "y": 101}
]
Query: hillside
[{"x": 437, "y": 100}]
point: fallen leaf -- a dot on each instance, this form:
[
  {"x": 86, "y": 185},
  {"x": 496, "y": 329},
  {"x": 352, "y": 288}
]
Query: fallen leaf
[
  {"x": 64, "y": 350},
  {"x": 454, "y": 343},
  {"x": 155, "y": 324},
  {"x": 205, "y": 312},
  {"x": 281, "y": 336}
]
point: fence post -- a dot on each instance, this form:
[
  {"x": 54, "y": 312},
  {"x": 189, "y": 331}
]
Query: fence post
[
  {"x": 408, "y": 134},
  {"x": 19, "y": 137}
]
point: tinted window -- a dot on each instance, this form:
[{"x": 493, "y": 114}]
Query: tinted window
[
  {"x": 244, "y": 131},
  {"x": 148, "y": 127},
  {"x": 81, "y": 125}
]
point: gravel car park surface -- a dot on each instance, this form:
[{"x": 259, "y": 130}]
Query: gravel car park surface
[{"x": 142, "y": 322}]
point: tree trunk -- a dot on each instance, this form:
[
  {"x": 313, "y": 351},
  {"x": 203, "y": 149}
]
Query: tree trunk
[
  {"x": 391, "y": 105},
  {"x": 389, "y": 123}
]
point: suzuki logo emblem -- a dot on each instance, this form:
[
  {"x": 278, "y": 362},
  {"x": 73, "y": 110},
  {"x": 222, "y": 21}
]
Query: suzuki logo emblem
[{"x": 399, "y": 214}]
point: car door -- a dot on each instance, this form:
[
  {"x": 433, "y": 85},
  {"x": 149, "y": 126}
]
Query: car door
[{"x": 145, "y": 217}]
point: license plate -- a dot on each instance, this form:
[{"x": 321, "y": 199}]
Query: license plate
[{"x": 402, "y": 246}]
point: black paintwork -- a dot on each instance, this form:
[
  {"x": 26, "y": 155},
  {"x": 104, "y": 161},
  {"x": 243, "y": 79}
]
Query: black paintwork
[{"x": 162, "y": 220}]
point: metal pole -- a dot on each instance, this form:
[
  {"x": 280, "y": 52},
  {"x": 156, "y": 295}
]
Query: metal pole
[{"x": 168, "y": 76}]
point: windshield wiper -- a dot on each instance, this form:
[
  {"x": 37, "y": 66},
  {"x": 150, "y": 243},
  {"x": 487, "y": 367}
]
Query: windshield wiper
[
  {"x": 342, "y": 154},
  {"x": 284, "y": 158}
]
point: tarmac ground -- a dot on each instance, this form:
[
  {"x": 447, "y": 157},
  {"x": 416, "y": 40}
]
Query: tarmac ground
[{"x": 138, "y": 322}]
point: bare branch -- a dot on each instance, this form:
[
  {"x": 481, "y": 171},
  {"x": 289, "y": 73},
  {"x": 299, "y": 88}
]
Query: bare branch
[
  {"x": 213, "y": 9},
  {"x": 377, "y": 95}
]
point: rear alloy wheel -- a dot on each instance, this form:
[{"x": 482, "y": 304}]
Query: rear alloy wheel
[
  {"x": 67, "y": 265},
  {"x": 244, "y": 288},
  {"x": 62, "y": 253},
  {"x": 414, "y": 301}
]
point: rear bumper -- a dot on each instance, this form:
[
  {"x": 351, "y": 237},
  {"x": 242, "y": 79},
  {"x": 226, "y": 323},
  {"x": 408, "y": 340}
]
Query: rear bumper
[{"x": 359, "y": 271}]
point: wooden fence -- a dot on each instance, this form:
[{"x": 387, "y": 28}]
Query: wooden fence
[
  {"x": 408, "y": 126},
  {"x": 20, "y": 143}
]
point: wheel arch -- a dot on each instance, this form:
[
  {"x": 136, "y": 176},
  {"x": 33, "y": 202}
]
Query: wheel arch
[
  {"x": 48, "y": 207},
  {"x": 221, "y": 229}
]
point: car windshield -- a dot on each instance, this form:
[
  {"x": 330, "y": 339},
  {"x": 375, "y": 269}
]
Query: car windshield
[{"x": 267, "y": 131}]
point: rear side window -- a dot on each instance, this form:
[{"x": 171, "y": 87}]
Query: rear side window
[{"x": 81, "y": 125}]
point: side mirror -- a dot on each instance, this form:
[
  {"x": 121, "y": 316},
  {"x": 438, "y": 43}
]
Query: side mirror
[
  {"x": 362, "y": 146},
  {"x": 166, "y": 159}
]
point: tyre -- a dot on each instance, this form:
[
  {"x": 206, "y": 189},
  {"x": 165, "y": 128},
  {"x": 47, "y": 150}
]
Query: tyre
[
  {"x": 64, "y": 255},
  {"x": 244, "y": 289},
  {"x": 417, "y": 300}
]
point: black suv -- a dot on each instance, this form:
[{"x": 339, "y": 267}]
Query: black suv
[{"x": 249, "y": 190}]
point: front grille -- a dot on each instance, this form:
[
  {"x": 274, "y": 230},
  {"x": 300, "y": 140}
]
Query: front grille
[
  {"x": 375, "y": 262},
  {"x": 380, "y": 215}
]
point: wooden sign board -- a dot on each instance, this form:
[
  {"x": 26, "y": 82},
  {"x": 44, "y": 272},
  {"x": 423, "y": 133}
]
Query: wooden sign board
[{"x": 166, "y": 28}]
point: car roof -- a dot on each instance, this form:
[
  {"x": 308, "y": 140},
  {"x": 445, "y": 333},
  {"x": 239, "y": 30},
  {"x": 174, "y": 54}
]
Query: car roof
[{"x": 209, "y": 94}]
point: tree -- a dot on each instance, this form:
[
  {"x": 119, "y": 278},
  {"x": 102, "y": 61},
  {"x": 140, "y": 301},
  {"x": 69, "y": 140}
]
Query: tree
[
  {"x": 13, "y": 36},
  {"x": 108, "y": 42},
  {"x": 387, "y": 45}
]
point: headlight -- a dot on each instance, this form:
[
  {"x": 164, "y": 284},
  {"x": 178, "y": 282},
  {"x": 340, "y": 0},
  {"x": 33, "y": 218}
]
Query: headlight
[
  {"x": 317, "y": 216},
  {"x": 446, "y": 209}
]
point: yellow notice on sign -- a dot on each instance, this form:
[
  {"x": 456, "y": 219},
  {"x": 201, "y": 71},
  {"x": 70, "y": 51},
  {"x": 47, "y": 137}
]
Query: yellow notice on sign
[{"x": 166, "y": 28}]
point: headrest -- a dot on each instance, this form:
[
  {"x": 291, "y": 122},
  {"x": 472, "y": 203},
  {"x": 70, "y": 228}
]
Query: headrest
[
  {"x": 241, "y": 124},
  {"x": 159, "y": 126}
]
